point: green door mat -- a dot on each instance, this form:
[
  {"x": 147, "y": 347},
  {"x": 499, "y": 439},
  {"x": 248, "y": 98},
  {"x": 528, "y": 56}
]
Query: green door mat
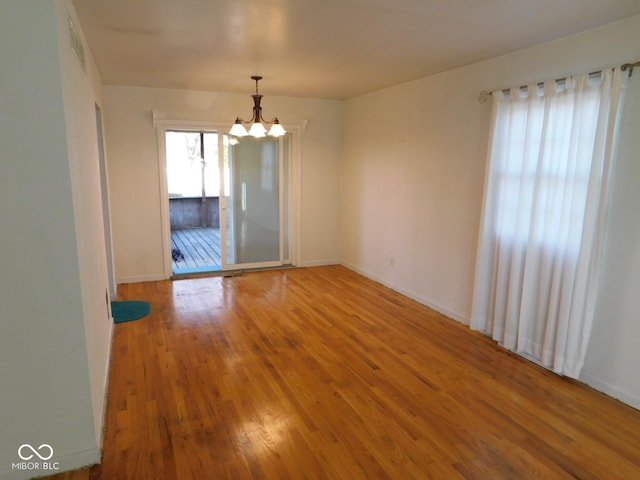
[{"x": 128, "y": 310}]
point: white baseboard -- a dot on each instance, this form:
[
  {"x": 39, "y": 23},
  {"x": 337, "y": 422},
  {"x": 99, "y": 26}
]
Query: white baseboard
[
  {"x": 610, "y": 390},
  {"x": 418, "y": 298},
  {"x": 319, "y": 263},
  {"x": 141, "y": 278},
  {"x": 103, "y": 415},
  {"x": 587, "y": 379}
]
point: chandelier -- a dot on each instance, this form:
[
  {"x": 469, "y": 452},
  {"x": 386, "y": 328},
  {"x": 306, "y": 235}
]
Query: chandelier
[{"x": 257, "y": 128}]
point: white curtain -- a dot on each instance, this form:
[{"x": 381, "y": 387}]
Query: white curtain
[{"x": 541, "y": 232}]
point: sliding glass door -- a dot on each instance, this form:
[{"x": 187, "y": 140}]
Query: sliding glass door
[
  {"x": 255, "y": 208},
  {"x": 237, "y": 194}
]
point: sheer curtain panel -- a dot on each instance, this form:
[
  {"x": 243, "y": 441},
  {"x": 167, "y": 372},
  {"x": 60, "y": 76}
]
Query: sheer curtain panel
[{"x": 551, "y": 150}]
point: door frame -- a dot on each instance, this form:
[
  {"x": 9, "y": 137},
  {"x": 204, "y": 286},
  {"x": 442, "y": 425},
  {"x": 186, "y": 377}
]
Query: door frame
[
  {"x": 162, "y": 125},
  {"x": 106, "y": 208}
]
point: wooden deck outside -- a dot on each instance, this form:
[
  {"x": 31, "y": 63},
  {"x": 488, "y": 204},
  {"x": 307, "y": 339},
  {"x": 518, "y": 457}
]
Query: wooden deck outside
[{"x": 195, "y": 248}]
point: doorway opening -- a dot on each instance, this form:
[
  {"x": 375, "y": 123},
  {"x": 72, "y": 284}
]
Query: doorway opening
[
  {"x": 228, "y": 201},
  {"x": 106, "y": 211},
  {"x": 193, "y": 186}
]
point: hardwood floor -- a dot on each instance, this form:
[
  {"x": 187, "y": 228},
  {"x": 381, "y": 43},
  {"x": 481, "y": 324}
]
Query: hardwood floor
[{"x": 320, "y": 373}]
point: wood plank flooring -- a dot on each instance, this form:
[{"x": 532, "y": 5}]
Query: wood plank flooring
[
  {"x": 200, "y": 247},
  {"x": 319, "y": 373}
]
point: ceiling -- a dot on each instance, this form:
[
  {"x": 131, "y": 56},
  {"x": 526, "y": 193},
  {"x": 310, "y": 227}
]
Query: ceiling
[{"x": 318, "y": 48}]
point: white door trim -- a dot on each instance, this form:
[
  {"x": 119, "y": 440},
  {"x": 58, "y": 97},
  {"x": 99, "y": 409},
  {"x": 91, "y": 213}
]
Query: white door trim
[{"x": 162, "y": 124}]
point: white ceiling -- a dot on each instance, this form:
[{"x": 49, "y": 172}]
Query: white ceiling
[{"x": 318, "y": 48}]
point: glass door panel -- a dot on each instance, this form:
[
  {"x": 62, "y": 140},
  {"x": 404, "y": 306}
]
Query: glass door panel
[{"x": 254, "y": 204}]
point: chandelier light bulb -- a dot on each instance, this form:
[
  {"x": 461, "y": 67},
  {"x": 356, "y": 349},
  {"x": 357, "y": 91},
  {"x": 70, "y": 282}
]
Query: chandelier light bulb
[
  {"x": 238, "y": 130},
  {"x": 257, "y": 130},
  {"x": 277, "y": 130}
]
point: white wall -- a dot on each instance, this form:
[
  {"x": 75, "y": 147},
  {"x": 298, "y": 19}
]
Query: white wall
[
  {"x": 134, "y": 172},
  {"x": 413, "y": 182},
  {"x": 52, "y": 355},
  {"x": 614, "y": 351},
  {"x": 82, "y": 90}
]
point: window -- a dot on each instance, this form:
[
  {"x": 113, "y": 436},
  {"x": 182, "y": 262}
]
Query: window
[{"x": 536, "y": 173}]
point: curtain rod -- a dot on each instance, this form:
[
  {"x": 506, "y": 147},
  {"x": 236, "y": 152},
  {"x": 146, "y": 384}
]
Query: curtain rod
[
  {"x": 484, "y": 95},
  {"x": 629, "y": 66}
]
